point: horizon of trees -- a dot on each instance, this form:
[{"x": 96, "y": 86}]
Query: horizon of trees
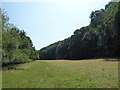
[{"x": 101, "y": 38}]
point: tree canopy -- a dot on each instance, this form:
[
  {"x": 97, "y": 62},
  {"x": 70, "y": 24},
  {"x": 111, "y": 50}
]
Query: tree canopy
[
  {"x": 17, "y": 47},
  {"x": 99, "y": 39}
]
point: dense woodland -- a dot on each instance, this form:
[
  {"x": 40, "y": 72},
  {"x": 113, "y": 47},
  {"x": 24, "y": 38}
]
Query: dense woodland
[
  {"x": 17, "y": 47},
  {"x": 101, "y": 38}
]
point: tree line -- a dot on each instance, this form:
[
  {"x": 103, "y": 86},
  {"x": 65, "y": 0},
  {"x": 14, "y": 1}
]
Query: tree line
[
  {"x": 101, "y": 38},
  {"x": 17, "y": 47}
]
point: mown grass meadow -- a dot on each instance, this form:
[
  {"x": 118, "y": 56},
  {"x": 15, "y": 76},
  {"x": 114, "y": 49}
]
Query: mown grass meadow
[{"x": 96, "y": 73}]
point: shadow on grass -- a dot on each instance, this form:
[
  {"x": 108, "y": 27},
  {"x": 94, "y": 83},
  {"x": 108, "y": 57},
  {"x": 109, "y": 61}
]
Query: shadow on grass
[
  {"x": 112, "y": 60},
  {"x": 104, "y": 59},
  {"x": 82, "y": 59},
  {"x": 13, "y": 67},
  {"x": 85, "y": 59}
]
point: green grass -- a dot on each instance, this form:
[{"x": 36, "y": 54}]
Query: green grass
[
  {"x": 97, "y": 73},
  {"x": 0, "y": 79}
]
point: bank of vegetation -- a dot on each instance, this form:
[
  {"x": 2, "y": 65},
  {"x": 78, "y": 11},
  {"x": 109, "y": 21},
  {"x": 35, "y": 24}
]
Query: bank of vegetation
[
  {"x": 17, "y": 47},
  {"x": 101, "y": 38}
]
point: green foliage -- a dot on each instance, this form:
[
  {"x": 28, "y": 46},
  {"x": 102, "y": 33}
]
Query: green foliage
[
  {"x": 16, "y": 46},
  {"x": 49, "y": 52},
  {"x": 62, "y": 51},
  {"x": 99, "y": 39}
]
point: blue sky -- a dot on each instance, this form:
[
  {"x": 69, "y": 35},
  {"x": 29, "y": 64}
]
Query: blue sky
[{"x": 49, "y": 22}]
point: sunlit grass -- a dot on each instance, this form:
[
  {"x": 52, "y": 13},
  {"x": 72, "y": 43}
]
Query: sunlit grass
[
  {"x": 98, "y": 73},
  {"x": 0, "y": 79}
]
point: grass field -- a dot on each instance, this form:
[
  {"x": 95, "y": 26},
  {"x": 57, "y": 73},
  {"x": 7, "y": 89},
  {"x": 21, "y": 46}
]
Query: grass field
[{"x": 97, "y": 73}]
